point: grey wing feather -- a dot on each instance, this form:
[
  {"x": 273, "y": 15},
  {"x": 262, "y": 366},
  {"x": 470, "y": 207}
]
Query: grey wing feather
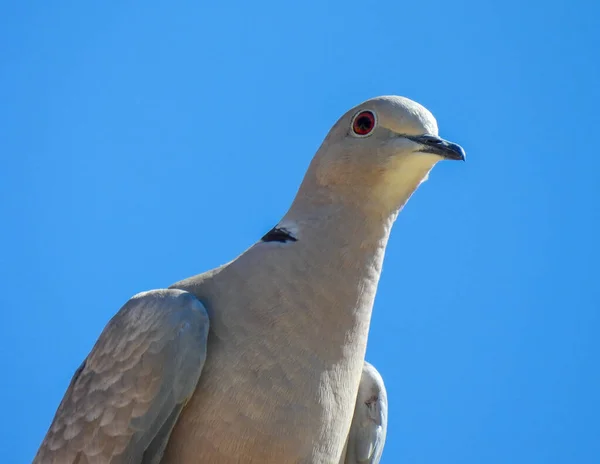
[
  {"x": 369, "y": 424},
  {"x": 155, "y": 451},
  {"x": 125, "y": 398}
]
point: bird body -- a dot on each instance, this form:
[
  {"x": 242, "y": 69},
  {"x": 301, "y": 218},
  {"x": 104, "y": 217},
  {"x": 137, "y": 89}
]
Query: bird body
[
  {"x": 293, "y": 348},
  {"x": 279, "y": 377}
]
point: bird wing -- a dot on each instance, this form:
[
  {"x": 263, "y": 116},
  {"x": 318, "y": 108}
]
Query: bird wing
[
  {"x": 369, "y": 424},
  {"x": 125, "y": 398}
]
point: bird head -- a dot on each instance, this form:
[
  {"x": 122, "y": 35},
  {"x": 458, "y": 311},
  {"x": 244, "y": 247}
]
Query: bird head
[{"x": 379, "y": 152}]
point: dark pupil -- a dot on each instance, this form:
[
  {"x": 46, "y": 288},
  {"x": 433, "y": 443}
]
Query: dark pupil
[{"x": 363, "y": 123}]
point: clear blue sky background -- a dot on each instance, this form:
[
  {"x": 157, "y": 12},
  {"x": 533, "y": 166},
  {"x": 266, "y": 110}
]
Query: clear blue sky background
[{"x": 143, "y": 142}]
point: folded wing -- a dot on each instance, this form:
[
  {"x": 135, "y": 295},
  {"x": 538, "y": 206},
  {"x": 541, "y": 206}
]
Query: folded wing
[
  {"x": 369, "y": 424},
  {"x": 125, "y": 398}
]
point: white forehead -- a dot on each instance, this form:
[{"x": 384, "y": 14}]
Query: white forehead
[{"x": 400, "y": 114}]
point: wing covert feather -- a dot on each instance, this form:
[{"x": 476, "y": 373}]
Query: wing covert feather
[
  {"x": 369, "y": 424},
  {"x": 133, "y": 384}
]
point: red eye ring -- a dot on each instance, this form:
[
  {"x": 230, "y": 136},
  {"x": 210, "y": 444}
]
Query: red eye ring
[{"x": 363, "y": 123}]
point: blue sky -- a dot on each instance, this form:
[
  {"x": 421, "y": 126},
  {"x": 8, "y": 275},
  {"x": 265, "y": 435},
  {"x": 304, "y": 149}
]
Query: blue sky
[{"x": 143, "y": 142}]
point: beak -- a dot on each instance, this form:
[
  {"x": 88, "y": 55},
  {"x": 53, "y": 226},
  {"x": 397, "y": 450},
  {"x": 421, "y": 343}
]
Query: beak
[{"x": 441, "y": 147}]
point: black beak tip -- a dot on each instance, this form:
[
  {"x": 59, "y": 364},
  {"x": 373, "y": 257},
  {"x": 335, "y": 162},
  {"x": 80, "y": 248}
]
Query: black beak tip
[
  {"x": 456, "y": 152},
  {"x": 441, "y": 147}
]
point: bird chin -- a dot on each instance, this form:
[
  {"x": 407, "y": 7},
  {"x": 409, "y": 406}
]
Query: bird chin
[{"x": 402, "y": 177}]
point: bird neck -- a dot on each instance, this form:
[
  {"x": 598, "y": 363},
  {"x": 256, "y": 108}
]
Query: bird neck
[
  {"x": 373, "y": 198},
  {"x": 339, "y": 252}
]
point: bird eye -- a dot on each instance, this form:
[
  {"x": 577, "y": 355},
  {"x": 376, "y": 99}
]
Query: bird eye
[{"x": 363, "y": 123}]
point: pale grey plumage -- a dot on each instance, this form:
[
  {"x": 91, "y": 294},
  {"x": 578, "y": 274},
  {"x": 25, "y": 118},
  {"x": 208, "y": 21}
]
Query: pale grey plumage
[
  {"x": 369, "y": 424},
  {"x": 289, "y": 321},
  {"x": 126, "y": 396}
]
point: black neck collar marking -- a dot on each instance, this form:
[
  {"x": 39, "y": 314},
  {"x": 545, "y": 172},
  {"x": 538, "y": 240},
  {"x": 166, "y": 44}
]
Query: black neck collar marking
[{"x": 279, "y": 234}]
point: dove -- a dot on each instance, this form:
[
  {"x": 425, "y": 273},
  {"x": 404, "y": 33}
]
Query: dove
[{"x": 262, "y": 360}]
